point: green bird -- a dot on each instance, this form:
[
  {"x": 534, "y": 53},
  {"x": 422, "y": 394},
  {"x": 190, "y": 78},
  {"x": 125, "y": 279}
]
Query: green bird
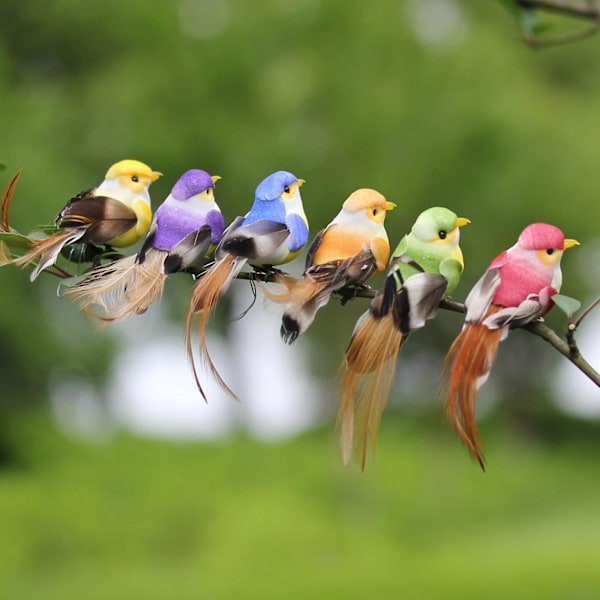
[{"x": 425, "y": 267}]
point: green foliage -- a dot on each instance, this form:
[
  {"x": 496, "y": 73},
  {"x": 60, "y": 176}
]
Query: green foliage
[
  {"x": 341, "y": 94},
  {"x": 17, "y": 243},
  {"x": 240, "y": 519}
]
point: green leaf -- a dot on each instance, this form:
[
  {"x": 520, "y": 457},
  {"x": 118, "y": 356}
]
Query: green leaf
[
  {"x": 16, "y": 242},
  {"x": 529, "y": 21},
  {"x": 512, "y": 8},
  {"x": 567, "y": 304}
]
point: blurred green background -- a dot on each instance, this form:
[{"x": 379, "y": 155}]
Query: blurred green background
[{"x": 433, "y": 102}]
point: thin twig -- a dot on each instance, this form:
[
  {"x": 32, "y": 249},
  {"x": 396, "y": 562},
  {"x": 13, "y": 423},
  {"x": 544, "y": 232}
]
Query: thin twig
[
  {"x": 559, "y": 40},
  {"x": 584, "y": 9},
  {"x": 549, "y": 335},
  {"x": 586, "y": 312},
  {"x": 538, "y": 328}
]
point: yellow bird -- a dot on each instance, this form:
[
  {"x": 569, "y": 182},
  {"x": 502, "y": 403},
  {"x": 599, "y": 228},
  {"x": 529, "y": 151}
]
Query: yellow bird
[{"x": 116, "y": 213}]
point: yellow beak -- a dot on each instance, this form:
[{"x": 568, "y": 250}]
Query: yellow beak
[
  {"x": 216, "y": 178},
  {"x": 461, "y": 222},
  {"x": 390, "y": 206},
  {"x": 301, "y": 182},
  {"x": 155, "y": 175},
  {"x": 570, "y": 243}
]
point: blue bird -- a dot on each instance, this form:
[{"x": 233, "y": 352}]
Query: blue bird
[{"x": 273, "y": 232}]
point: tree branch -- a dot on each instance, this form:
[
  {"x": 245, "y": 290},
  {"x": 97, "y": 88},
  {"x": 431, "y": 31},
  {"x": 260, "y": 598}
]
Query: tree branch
[
  {"x": 581, "y": 9},
  {"x": 538, "y": 328}
]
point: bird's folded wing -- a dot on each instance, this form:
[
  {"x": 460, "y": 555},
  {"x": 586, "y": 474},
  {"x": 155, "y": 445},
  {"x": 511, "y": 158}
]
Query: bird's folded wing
[
  {"x": 340, "y": 273},
  {"x": 189, "y": 250},
  {"x": 310, "y": 254},
  {"x": 481, "y": 295},
  {"x": 260, "y": 238},
  {"x": 515, "y": 316},
  {"x": 104, "y": 217},
  {"x": 418, "y": 300}
]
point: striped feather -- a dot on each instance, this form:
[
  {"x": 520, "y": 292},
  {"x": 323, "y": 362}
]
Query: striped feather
[
  {"x": 122, "y": 288},
  {"x": 46, "y": 250}
]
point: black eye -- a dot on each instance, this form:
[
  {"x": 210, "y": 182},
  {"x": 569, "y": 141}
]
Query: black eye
[
  {"x": 442, "y": 235},
  {"x": 550, "y": 251},
  {"x": 374, "y": 212},
  {"x": 134, "y": 178},
  {"x": 286, "y": 189}
]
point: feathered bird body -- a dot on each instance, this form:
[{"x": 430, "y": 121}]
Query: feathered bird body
[
  {"x": 273, "y": 232},
  {"x": 185, "y": 226},
  {"x": 516, "y": 289},
  {"x": 348, "y": 251},
  {"x": 426, "y": 266},
  {"x": 116, "y": 213}
]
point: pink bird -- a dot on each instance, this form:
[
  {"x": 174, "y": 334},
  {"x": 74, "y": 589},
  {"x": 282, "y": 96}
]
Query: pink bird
[{"x": 516, "y": 289}]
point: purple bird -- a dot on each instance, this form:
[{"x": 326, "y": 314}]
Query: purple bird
[{"x": 185, "y": 227}]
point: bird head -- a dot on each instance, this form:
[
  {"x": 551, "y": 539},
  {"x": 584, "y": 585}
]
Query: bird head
[
  {"x": 281, "y": 185},
  {"x": 195, "y": 182},
  {"x": 369, "y": 202},
  {"x": 438, "y": 225},
  {"x": 547, "y": 241},
  {"x": 132, "y": 174}
]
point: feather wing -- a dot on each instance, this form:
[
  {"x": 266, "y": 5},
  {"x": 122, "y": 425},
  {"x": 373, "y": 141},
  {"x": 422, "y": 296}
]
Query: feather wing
[
  {"x": 253, "y": 241},
  {"x": 103, "y": 218},
  {"x": 189, "y": 250},
  {"x": 304, "y": 297},
  {"x": 46, "y": 250}
]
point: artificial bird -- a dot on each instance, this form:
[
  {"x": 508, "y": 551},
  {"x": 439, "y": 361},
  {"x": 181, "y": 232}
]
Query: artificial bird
[
  {"x": 516, "y": 289},
  {"x": 425, "y": 268},
  {"x": 347, "y": 252},
  {"x": 273, "y": 232},
  {"x": 115, "y": 213},
  {"x": 184, "y": 228}
]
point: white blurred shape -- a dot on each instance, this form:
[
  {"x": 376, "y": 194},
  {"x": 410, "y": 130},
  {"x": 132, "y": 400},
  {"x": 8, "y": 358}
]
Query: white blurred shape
[
  {"x": 152, "y": 392},
  {"x": 77, "y": 407},
  {"x": 574, "y": 392},
  {"x": 437, "y": 23},
  {"x": 278, "y": 394},
  {"x": 203, "y": 18}
]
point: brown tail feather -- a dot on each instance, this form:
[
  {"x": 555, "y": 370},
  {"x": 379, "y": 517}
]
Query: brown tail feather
[
  {"x": 368, "y": 374},
  {"x": 5, "y": 258},
  {"x": 7, "y": 194},
  {"x": 467, "y": 365},
  {"x": 122, "y": 288},
  {"x": 46, "y": 250},
  {"x": 49, "y": 245},
  {"x": 210, "y": 287}
]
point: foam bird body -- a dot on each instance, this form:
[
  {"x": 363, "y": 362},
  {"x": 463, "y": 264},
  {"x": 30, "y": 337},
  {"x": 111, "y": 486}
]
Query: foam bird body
[
  {"x": 516, "y": 289},
  {"x": 348, "y": 251},
  {"x": 117, "y": 213},
  {"x": 425, "y": 267},
  {"x": 273, "y": 232},
  {"x": 185, "y": 226}
]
